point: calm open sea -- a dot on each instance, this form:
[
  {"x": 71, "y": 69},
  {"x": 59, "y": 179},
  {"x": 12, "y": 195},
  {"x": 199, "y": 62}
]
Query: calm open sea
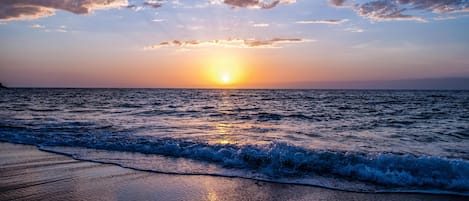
[{"x": 356, "y": 140}]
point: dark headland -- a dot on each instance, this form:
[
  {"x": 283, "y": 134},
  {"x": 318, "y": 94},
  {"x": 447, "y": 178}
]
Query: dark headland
[{"x": 2, "y": 87}]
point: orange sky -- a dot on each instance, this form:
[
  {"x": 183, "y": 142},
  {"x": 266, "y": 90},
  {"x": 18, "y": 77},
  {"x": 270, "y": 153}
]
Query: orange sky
[{"x": 194, "y": 44}]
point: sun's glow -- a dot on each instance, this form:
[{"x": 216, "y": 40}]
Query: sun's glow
[
  {"x": 224, "y": 71},
  {"x": 226, "y": 79}
]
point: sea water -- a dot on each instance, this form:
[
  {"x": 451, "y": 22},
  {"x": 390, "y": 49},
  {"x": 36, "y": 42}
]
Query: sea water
[{"x": 356, "y": 140}]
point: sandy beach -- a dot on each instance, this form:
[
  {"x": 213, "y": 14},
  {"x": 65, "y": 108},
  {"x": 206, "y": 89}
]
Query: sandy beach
[{"x": 27, "y": 173}]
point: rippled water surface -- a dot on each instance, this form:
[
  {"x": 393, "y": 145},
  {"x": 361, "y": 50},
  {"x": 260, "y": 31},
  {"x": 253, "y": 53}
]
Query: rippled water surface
[{"x": 353, "y": 140}]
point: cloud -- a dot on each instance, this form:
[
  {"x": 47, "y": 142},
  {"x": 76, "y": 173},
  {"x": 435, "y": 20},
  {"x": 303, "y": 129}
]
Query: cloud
[
  {"x": 338, "y": 21},
  {"x": 158, "y": 20},
  {"x": 190, "y": 27},
  {"x": 37, "y": 26},
  {"x": 55, "y": 30},
  {"x": 337, "y": 3},
  {"x": 135, "y": 7},
  {"x": 452, "y": 17},
  {"x": 355, "y": 30},
  {"x": 229, "y": 43},
  {"x": 261, "y": 25},
  {"x": 147, "y": 3},
  {"x": 153, "y": 3},
  {"x": 259, "y": 4},
  {"x": 386, "y": 10},
  {"x": 251, "y": 3},
  {"x": 62, "y": 28},
  {"x": 33, "y": 9}
]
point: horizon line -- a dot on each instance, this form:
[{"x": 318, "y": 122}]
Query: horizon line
[
  {"x": 219, "y": 88},
  {"x": 442, "y": 83}
]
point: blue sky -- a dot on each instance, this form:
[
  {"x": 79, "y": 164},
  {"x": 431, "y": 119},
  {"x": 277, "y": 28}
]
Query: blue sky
[{"x": 138, "y": 43}]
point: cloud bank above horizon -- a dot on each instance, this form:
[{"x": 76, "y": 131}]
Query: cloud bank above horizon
[{"x": 229, "y": 43}]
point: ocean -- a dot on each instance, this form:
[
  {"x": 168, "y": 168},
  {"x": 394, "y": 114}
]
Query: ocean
[{"x": 353, "y": 140}]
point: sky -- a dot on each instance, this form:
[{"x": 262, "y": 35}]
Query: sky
[{"x": 232, "y": 43}]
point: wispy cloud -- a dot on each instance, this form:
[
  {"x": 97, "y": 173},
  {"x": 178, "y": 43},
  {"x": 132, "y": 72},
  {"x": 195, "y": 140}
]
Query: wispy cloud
[
  {"x": 62, "y": 28},
  {"x": 387, "y": 10},
  {"x": 158, "y": 20},
  {"x": 336, "y": 21},
  {"x": 33, "y": 9},
  {"x": 259, "y": 4},
  {"x": 229, "y": 43},
  {"x": 451, "y": 17},
  {"x": 190, "y": 27},
  {"x": 355, "y": 30},
  {"x": 261, "y": 25},
  {"x": 37, "y": 26}
]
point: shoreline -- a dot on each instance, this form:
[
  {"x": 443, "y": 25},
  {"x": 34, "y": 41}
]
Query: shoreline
[
  {"x": 28, "y": 173},
  {"x": 432, "y": 192}
]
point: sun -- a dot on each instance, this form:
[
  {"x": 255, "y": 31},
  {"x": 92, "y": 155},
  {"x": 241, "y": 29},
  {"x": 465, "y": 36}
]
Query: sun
[
  {"x": 225, "y": 78},
  {"x": 224, "y": 70}
]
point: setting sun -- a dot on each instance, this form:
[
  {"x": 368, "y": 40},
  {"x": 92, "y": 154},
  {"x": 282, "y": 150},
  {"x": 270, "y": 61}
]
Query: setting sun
[
  {"x": 225, "y": 79},
  {"x": 224, "y": 70}
]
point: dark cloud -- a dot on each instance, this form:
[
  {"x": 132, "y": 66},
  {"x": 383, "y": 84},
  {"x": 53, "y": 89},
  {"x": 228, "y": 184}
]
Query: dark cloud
[
  {"x": 230, "y": 43},
  {"x": 148, "y": 3},
  {"x": 254, "y": 3},
  {"x": 437, "y": 6},
  {"x": 382, "y": 10},
  {"x": 33, "y": 9},
  {"x": 337, "y": 2},
  {"x": 251, "y": 3},
  {"x": 154, "y": 4}
]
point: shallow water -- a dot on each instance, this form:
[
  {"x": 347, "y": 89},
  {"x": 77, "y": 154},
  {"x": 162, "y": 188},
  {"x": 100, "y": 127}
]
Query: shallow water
[{"x": 347, "y": 139}]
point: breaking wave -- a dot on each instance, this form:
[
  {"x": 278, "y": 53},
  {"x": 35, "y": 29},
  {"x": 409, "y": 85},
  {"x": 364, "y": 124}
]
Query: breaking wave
[{"x": 280, "y": 161}]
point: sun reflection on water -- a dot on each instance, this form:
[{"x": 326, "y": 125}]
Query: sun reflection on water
[{"x": 225, "y": 132}]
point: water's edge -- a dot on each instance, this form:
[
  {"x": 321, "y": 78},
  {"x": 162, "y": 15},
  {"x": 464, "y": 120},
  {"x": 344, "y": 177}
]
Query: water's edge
[{"x": 71, "y": 155}]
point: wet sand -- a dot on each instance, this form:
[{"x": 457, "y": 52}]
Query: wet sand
[{"x": 27, "y": 173}]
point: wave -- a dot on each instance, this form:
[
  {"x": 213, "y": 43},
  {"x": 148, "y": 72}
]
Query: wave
[
  {"x": 283, "y": 162},
  {"x": 44, "y": 109}
]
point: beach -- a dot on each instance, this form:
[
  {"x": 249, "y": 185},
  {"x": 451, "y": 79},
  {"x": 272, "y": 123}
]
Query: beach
[{"x": 30, "y": 174}]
